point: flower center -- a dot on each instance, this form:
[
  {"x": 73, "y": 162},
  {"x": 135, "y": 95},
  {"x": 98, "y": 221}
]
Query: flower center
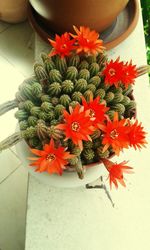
[
  {"x": 114, "y": 134},
  {"x": 112, "y": 72},
  {"x": 50, "y": 157},
  {"x": 91, "y": 113},
  {"x": 75, "y": 126},
  {"x": 64, "y": 46}
]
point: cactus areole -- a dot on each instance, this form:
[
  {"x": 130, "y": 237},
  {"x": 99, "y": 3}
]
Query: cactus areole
[{"x": 78, "y": 108}]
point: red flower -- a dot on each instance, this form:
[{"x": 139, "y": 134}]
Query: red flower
[
  {"x": 77, "y": 126},
  {"x": 117, "y": 72},
  {"x": 129, "y": 73},
  {"x": 136, "y": 135},
  {"x": 113, "y": 72},
  {"x": 51, "y": 159},
  {"x": 62, "y": 45},
  {"x": 116, "y": 171},
  {"x": 87, "y": 40},
  {"x": 95, "y": 110},
  {"x": 115, "y": 134}
]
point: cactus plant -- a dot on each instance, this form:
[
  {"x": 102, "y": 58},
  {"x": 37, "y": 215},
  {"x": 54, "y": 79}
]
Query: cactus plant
[
  {"x": 73, "y": 83},
  {"x": 41, "y": 74},
  {"x": 102, "y": 154},
  {"x": 23, "y": 125},
  {"x": 95, "y": 80},
  {"x": 67, "y": 86},
  {"x": 84, "y": 73},
  {"x": 88, "y": 154},
  {"x": 8, "y": 106},
  {"x": 47, "y": 106},
  {"x": 35, "y": 111},
  {"x": 58, "y": 110},
  {"x": 32, "y": 121},
  {"x": 71, "y": 73},
  {"x": 76, "y": 96},
  {"x": 94, "y": 69},
  {"x": 55, "y": 76},
  {"x": 81, "y": 85},
  {"x": 27, "y": 105},
  {"x": 54, "y": 89},
  {"x": 83, "y": 65},
  {"x": 74, "y": 60},
  {"x": 65, "y": 100},
  {"x": 36, "y": 89}
]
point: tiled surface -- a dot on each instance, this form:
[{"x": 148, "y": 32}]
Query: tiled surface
[
  {"x": 8, "y": 164},
  {"x": 3, "y": 26},
  {"x": 10, "y": 80},
  {"x": 16, "y": 46},
  {"x": 13, "y": 210},
  {"x": 16, "y": 60}
]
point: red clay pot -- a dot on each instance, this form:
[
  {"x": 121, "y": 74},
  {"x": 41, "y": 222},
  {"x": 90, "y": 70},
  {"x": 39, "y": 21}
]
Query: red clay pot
[{"x": 60, "y": 15}]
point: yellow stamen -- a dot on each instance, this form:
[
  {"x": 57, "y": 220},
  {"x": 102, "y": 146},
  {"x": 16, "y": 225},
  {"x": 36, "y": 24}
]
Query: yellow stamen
[
  {"x": 112, "y": 72},
  {"x": 114, "y": 134},
  {"x": 50, "y": 157},
  {"x": 91, "y": 113},
  {"x": 75, "y": 126}
]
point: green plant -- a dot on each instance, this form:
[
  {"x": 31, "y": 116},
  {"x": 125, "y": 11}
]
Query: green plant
[
  {"x": 33, "y": 108},
  {"x": 146, "y": 21},
  {"x": 77, "y": 101}
]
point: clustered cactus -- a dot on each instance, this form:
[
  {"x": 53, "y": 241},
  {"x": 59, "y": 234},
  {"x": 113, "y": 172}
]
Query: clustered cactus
[{"x": 58, "y": 84}]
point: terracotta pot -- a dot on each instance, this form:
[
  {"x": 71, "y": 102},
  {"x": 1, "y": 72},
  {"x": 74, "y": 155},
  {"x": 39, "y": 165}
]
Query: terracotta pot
[
  {"x": 114, "y": 35},
  {"x": 61, "y": 15},
  {"x": 13, "y": 11}
]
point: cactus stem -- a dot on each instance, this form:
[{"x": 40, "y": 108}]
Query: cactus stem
[
  {"x": 6, "y": 106},
  {"x": 10, "y": 141},
  {"x": 79, "y": 168},
  {"x": 143, "y": 70}
]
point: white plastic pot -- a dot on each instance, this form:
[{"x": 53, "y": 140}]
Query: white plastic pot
[{"x": 67, "y": 180}]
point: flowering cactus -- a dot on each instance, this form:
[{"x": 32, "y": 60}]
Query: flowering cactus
[{"x": 78, "y": 108}]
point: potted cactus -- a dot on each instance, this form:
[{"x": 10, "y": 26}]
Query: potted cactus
[{"x": 78, "y": 109}]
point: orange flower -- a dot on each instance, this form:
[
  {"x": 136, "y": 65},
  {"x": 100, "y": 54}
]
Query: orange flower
[
  {"x": 77, "y": 126},
  {"x": 136, "y": 135},
  {"x": 95, "y": 110},
  {"x": 129, "y": 73},
  {"x": 115, "y": 134},
  {"x": 113, "y": 72},
  {"x": 117, "y": 72},
  {"x": 62, "y": 45},
  {"x": 116, "y": 172},
  {"x": 87, "y": 40},
  {"x": 51, "y": 159}
]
